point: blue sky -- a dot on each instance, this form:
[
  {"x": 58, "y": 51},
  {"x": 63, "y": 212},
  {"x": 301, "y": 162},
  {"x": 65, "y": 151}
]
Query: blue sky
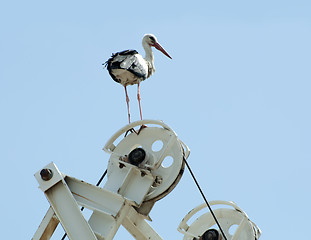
[{"x": 237, "y": 92}]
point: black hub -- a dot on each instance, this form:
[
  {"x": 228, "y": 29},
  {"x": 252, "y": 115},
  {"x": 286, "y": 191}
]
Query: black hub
[
  {"x": 211, "y": 234},
  {"x": 136, "y": 156}
]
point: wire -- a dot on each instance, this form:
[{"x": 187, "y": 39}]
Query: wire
[
  {"x": 209, "y": 207},
  {"x": 99, "y": 182}
]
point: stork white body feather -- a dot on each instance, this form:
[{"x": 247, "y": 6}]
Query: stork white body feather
[{"x": 125, "y": 77}]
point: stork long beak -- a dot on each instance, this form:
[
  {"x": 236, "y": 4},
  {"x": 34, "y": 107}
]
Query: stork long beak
[{"x": 160, "y": 48}]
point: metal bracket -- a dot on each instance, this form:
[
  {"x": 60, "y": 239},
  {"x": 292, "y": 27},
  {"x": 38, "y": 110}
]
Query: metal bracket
[{"x": 110, "y": 209}]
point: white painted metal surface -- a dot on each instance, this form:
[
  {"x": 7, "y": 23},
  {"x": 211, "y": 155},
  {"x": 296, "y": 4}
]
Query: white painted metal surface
[
  {"x": 47, "y": 226},
  {"x": 233, "y": 221},
  {"x": 166, "y": 174},
  {"x": 110, "y": 209},
  {"x": 131, "y": 191},
  {"x": 128, "y": 188},
  {"x": 64, "y": 205}
]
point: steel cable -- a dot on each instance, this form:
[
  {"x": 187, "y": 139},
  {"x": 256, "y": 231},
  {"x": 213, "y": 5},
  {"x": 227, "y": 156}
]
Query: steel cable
[{"x": 209, "y": 207}]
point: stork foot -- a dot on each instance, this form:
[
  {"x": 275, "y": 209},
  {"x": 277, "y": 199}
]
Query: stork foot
[
  {"x": 131, "y": 130},
  {"x": 141, "y": 128}
]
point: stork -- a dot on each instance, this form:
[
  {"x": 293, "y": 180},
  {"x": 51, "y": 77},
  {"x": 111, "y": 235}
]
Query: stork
[{"x": 129, "y": 67}]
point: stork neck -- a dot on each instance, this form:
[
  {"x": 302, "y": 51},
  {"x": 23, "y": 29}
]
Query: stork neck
[{"x": 149, "y": 54}]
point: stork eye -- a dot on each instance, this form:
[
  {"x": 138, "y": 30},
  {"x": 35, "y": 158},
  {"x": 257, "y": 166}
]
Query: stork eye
[{"x": 152, "y": 38}]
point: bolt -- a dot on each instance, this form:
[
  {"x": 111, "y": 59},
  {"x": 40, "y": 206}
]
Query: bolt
[
  {"x": 121, "y": 165},
  {"x": 46, "y": 174}
]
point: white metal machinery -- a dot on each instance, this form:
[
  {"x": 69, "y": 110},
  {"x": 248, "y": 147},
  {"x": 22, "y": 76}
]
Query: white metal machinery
[
  {"x": 133, "y": 185},
  {"x": 171, "y": 149},
  {"x": 233, "y": 220}
]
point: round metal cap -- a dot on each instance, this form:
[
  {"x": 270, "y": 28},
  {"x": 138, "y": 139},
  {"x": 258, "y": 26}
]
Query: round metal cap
[
  {"x": 137, "y": 156},
  {"x": 46, "y": 174},
  {"x": 211, "y": 234}
]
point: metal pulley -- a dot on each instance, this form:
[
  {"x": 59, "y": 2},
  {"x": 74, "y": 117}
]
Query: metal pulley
[
  {"x": 233, "y": 220},
  {"x": 156, "y": 149}
]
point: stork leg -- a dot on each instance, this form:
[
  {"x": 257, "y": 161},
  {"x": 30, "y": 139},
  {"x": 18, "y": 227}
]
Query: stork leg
[
  {"x": 141, "y": 115},
  {"x": 128, "y": 111},
  {"x": 128, "y": 106},
  {"x": 139, "y": 98}
]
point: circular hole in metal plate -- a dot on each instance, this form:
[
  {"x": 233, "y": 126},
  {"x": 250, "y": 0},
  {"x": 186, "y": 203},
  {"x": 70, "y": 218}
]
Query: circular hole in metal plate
[
  {"x": 232, "y": 229},
  {"x": 157, "y": 146},
  {"x": 167, "y": 161}
]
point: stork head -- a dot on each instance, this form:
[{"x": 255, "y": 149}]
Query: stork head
[{"x": 151, "y": 40}]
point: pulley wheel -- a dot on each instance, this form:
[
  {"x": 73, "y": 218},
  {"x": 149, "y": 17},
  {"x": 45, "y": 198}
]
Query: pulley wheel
[{"x": 164, "y": 154}]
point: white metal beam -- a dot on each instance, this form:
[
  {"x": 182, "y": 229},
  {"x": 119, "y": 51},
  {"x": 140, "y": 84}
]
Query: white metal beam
[
  {"x": 47, "y": 226},
  {"x": 68, "y": 212},
  {"x": 137, "y": 226},
  {"x": 64, "y": 204}
]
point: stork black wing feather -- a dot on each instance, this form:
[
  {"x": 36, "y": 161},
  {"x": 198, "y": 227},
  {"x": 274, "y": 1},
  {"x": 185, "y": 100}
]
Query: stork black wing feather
[
  {"x": 128, "y": 61},
  {"x": 110, "y": 62},
  {"x": 127, "y": 52}
]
